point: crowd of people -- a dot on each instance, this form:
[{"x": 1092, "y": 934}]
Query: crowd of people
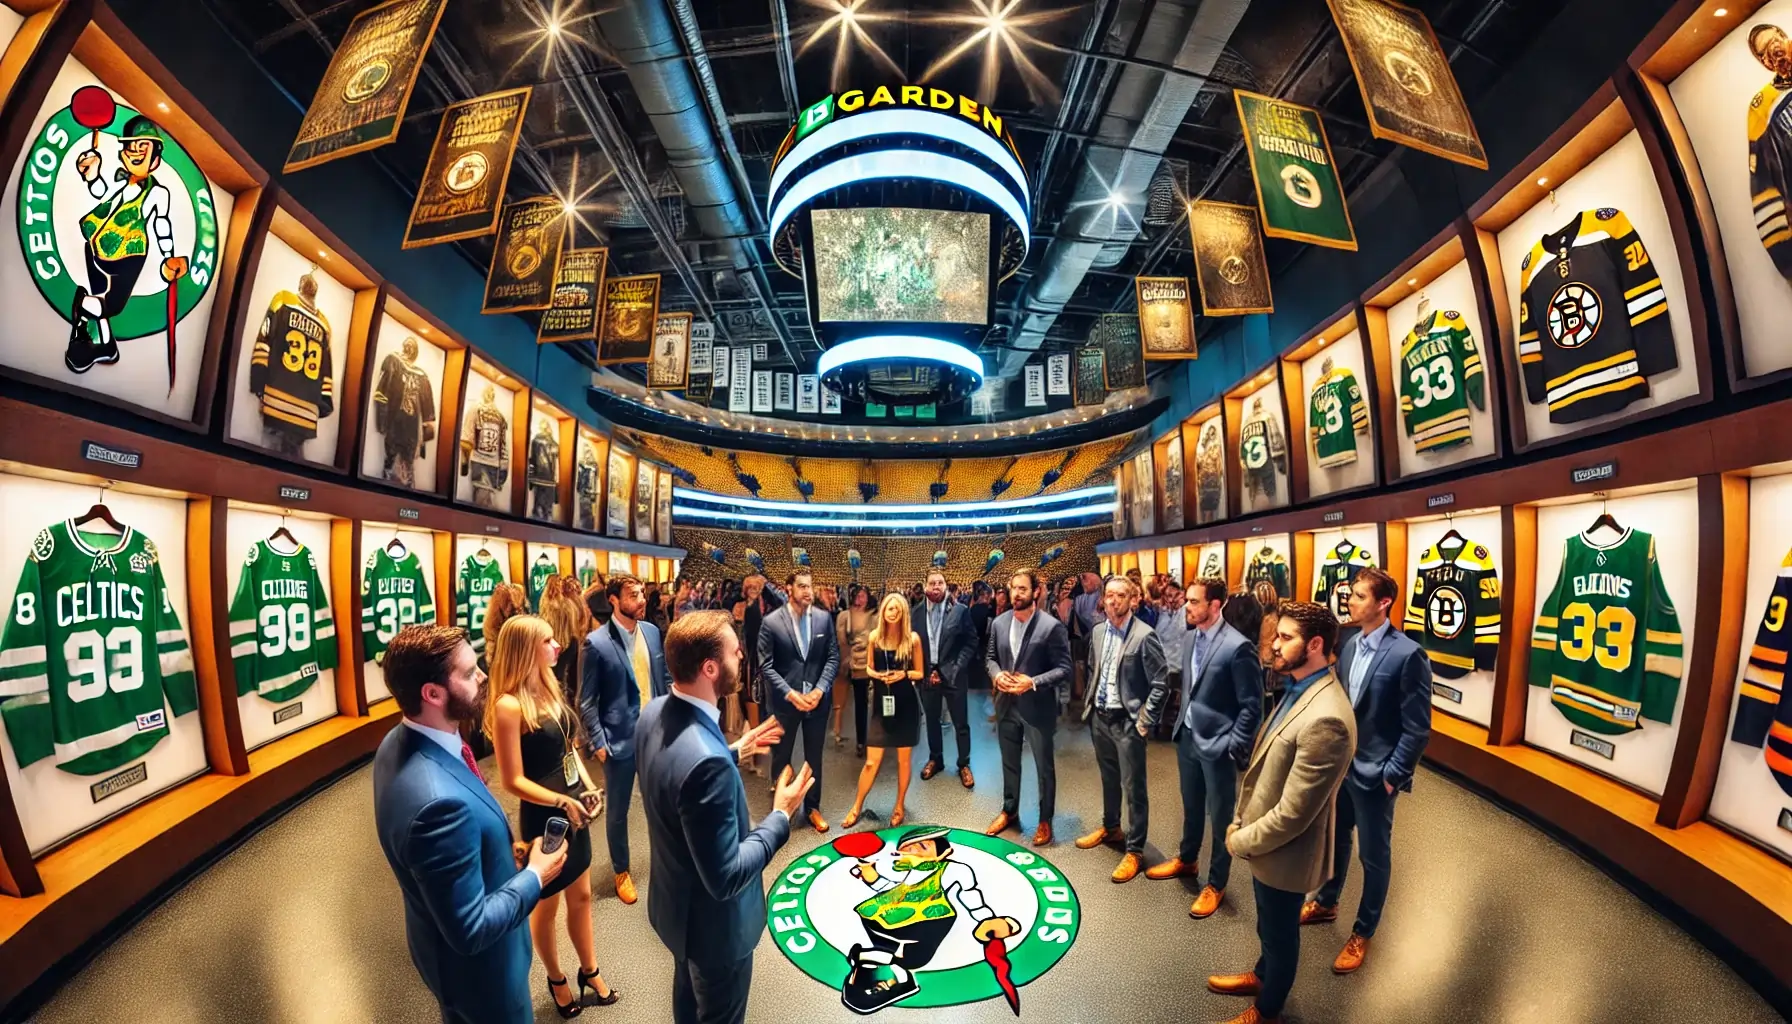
[{"x": 1292, "y": 734}]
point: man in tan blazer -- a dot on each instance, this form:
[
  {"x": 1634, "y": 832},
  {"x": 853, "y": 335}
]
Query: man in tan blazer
[{"x": 1288, "y": 802}]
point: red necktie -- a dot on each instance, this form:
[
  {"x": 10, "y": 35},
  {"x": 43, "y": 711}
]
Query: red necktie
[{"x": 466, "y": 754}]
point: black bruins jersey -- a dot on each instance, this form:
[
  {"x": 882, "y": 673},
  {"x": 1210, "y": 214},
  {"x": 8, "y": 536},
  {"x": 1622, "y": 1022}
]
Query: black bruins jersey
[
  {"x": 289, "y": 369},
  {"x": 1592, "y": 318},
  {"x": 1769, "y": 160}
]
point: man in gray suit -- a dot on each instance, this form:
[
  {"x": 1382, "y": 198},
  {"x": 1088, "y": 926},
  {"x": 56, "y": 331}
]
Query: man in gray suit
[
  {"x": 706, "y": 895},
  {"x": 1288, "y": 803},
  {"x": 1028, "y": 659},
  {"x": 1222, "y": 702},
  {"x": 1126, "y": 694}
]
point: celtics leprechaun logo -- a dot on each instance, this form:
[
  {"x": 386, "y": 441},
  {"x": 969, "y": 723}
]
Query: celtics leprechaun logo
[
  {"x": 923, "y": 918},
  {"x": 119, "y": 227}
]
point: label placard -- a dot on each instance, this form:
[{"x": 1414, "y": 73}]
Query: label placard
[
  {"x": 1256, "y": 529},
  {"x": 1441, "y": 500},
  {"x": 1449, "y": 693},
  {"x": 289, "y": 712},
  {"x": 1333, "y": 517},
  {"x": 493, "y": 529},
  {"x": 290, "y": 493},
  {"x": 409, "y": 513},
  {"x": 1607, "y": 470},
  {"x": 125, "y": 458},
  {"x": 124, "y": 780},
  {"x": 1592, "y": 744}
]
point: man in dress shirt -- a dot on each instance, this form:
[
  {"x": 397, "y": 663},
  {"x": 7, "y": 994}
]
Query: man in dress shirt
[
  {"x": 948, "y": 647},
  {"x": 1028, "y": 659},
  {"x": 1388, "y": 678},
  {"x": 798, "y": 659},
  {"x": 1172, "y": 627},
  {"x": 1126, "y": 694}
]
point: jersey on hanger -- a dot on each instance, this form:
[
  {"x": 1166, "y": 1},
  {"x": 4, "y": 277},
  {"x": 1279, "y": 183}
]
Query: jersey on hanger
[
  {"x": 1332, "y": 586},
  {"x": 585, "y": 490},
  {"x": 289, "y": 369},
  {"x": 1269, "y": 565},
  {"x": 1262, "y": 453},
  {"x": 93, "y": 659},
  {"x": 1212, "y": 566},
  {"x": 1607, "y": 642},
  {"x": 489, "y": 434},
  {"x": 480, "y": 575},
  {"x": 1592, "y": 318},
  {"x": 1763, "y": 715},
  {"x": 539, "y": 574},
  {"x": 394, "y": 594},
  {"x": 404, "y": 406},
  {"x": 1440, "y": 374},
  {"x": 587, "y": 574},
  {"x": 1210, "y": 475},
  {"x": 281, "y": 631},
  {"x": 1769, "y": 160},
  {"x": 1453, "y": 611},
  {"x": 1336, "y": 413},
  {"x": 544, "y": 461}
]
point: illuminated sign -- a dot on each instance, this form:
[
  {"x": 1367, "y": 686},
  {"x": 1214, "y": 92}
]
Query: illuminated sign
[{"x": 853, "y": 101}]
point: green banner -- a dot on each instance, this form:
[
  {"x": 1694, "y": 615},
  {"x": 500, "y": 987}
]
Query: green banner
[{"x": 1298, "y": 191}]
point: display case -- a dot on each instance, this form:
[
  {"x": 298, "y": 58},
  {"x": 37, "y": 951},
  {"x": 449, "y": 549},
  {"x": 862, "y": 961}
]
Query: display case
[
  {"x": 1258, "y": 440},
  {"x": 412, "y": 381},
  {"x": 1143, "y": 504},
  {"x": 541, "y": 563},
  {"x": 1268, "y": 558},
  {"x": 646, "y": 490},
  {"x": 481, "y": 564},
  {"x": 1166, "y": 458},
  {"x": 1209, "y": 561},
  {"x": 399, "y": 587},
  {"x": 1329, "y": 560},
  {"x": 1330, "y": 395},
  {"x": 1452, "y": 594},
  {"x": 1204, "y": 453},
  {"x": 619, "y": 493},
  {"x": 549, "y": 456},
  {"x": 492, "y": 453},
  {"x": 662, "y": 509},
  {"x": 588, "y": 480},
  {"x": 588, "y": 565}
]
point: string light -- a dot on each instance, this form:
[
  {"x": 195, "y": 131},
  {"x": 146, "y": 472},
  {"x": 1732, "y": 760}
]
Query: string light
[{"x": 999, "y": 27}]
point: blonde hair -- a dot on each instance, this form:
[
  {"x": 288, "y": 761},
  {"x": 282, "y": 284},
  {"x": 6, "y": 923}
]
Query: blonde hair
[
  {"x": 507, "y": 599},
  {"x": 516, "y": 671},
  {"x": 905, "y": 631},
  {"x": 563, "y": 611}
]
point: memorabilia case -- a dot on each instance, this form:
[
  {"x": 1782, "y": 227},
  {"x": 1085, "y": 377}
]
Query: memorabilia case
[
  {"x": 588, "y": 480},
  {"x": 481, "y": 562},
  {"x": 1206, "y": 465},
  {"x": 1258, "y": 442},
  {"x": 1167, "y": 460},
  {"x": 1143, "y": 505},
  {"x": 662, "y": 509},
  {"x": 285, "y": 624},
  {"x": 588, "y": 564},
  {"x": 1451, "y": 596},
  {"x": 542, "y": 562},
  {"x": 1209, "y": 560},
  {"x": 491, "y": 450},
  {"x": 549, "y": 458},
  {"x": 1329, "y": 560},
  {"x": 10, "y": 20},
  {"x": 400, "y": 587},
  {"x": 621, "y": 561},
  {"x": 411, "y": 380},
  {"x": 1171, "y": 561},
  {"x": 646, "y": 490},
  {"x": 619, "y": 493},
  {"x": 1265, "y": 559},
  {"x": 1330, "y": 400}
]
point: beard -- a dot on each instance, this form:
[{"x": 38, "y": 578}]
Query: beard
[
  {"x": 728, "y": 683},
  {"x": 464, "y": 709},
  {"x": 1020, "y": 604}
]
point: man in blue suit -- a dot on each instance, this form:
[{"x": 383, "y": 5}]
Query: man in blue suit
[
  {"x": 705, "y": 895},
  {"x": 1388, "y": 679},
  {"x": 624, "y": 670},
  {"x": 466, "y": 906},
  {"x": 798, "y": 659},
  {"x": 1216, "y": 725}
]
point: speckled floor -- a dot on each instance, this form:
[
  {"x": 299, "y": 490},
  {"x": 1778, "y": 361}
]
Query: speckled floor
[{"x": 1488, "y": 920}]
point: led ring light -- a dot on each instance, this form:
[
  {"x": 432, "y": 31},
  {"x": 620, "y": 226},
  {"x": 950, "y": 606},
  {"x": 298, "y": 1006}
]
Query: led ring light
[{"x": 843, "y": 366}]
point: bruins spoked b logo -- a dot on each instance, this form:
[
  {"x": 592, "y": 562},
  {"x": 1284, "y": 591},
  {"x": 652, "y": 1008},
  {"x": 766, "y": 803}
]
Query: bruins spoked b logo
[
  {"x": 923, "y": 917},
  {"x": 1574, "y": 315}
]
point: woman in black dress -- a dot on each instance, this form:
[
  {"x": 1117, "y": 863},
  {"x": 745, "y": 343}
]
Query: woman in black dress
[
  {"x": 895, "y": 662},
  {"x": 536, "y": 737}
]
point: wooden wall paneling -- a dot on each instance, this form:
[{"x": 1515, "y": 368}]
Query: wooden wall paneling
[
  {"x": 29, "y": 64},
  {"x": 349, "y": 404},
  {"x": 519, "y": 563},
  {"x": 522, "y": 412},
  {"x": 1395, "y": 560},
  {"x": 1386, "y": 393},
  {"x": 345, "y": 585},
  {"x": 1233, "y": 419},
  {"x": 454, "y": 388},
  {"x": 1518, "y": 613},
  {"x": 248, "y": 220},
  {"x": 233, "y": 348},
  {"x": 569, "y": 451},
  {"x": 1294, "y": 420},
  {"x": 1499, "y": 352},
  {"x": 18, "y": 873},
  {"x": 1303, "y": 569},
  {"x": 1234, "y": 564},
  {"x": 566, "y": 566},
  {"x": 208, "y": 626}
]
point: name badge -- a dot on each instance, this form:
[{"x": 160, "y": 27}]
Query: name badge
[
  {"x": 569, "y": 768},
  {"x": 889, "y": 705}
]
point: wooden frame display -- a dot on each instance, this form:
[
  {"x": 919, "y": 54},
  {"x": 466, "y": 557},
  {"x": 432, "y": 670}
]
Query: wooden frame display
[
  {"x": 1259, "y": 395},
  {"x": 1207, "y": 485},
  {"x": 588, "y": 480},
  {"x": 1166, "y": 459},
  {"x": 1340, "y": 341},
  {"x": 442, "y": 360},
  {"x": 1468, "y": 695},
  {"x": 34, "y": 38},
  {"x": 562, "y": 430},
  {"x": 396, "y": 588},
  {"x": 1312, "y": 547},
  {"x": 510, "y": 400},
  {"x": 1143, "y": 506},
  {"x": 619, "y": 493}
]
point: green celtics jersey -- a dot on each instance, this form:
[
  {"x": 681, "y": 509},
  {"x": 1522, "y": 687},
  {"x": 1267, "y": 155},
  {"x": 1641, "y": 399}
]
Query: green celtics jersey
[
  {"x": 1332, "y": 586},
  {"x": 93, "y": 659},
  {"x": 394, "y": 594},
  {"x": 281, "y": 631},
  {"x": 1607, "y": 642},
  {"x": 539, "y": 574},
  {"x": 1336, "y": 413},
  {"x": 480, "y": 575},
  {"x": 587, "y": 573},
  {"x": 1440, "y": 374}
]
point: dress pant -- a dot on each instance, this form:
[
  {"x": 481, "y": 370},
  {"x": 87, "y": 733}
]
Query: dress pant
[
  {"x": 951, "y": 698},
  {"x": 1210, "y": 792},
  {"x": 711, "y": 993},
  {"x": 813, "y": 725},
  {"x": 619, "y": 791},
  {"x": 1371, "y": 813},
  {"x": 1011, "y": 728},
  {"x": 1278, "y": 934},
  {"x": 1120, "y": 755}
]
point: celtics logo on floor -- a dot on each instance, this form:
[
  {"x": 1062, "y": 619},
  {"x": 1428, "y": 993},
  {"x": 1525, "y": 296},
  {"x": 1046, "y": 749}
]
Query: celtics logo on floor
[
  {"x": 119, "y": 227},
  {"x": 923, "y": 917}
]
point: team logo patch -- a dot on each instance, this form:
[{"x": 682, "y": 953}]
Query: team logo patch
[
  {"x": 1446, "y": 613},
  {"x": 1301, "y": 187},
  {"x": 1575, "y": 313},
  {"x": 465, "y": 173},
  {"x": 923, "y": 917},
  {"x": 1408, "y": 73},
  {"x": 43, "y": 546},
  {"x": 140, "y": 563},
  {"x": 156, "y": 719},
  {"x": 1234, "y": 270}
]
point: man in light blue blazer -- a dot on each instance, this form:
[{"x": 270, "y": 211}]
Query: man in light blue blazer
[
  {"x": 706, "y": 895},
  {"x": 624, "y": 670},
  {"x": 466, "y": 906}
]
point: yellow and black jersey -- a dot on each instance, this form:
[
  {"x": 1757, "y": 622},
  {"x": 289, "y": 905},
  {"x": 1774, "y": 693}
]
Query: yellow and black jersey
[
  {"x": 290, "y": 368},
  {"x": 1769, "y": 160},
  {"x": 1763, "y": 714},
  {"x": 1592, "y": 318}
]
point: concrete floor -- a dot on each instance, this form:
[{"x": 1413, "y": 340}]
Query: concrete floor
[{"x": 1488, "y": 920}]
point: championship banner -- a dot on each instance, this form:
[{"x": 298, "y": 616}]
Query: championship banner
[
  {"x": 578, "y": 293},
  {"x": 360, "y": 103},
  {"x": 1117, "y": 335},
  {"x": 1229, "y": 264},
  {"x": 1408, "y": 86},
  {"x": 669, "y": 367},
  {"x": 462, "y": 191},
  {"x": 1298, "y": 191},
  {"x": 1057, "y": 374},
  {"x": 1035, "y": 384},
  {"x": 703, "y": 341},
  {"x": 631, "y": 307},
  {"x": 784, "y": 392},
  {"x": 808, "y": 393},
  {"x": 526, "y": 260},
  {"x": 1090, "y": 386},
  {"x": 1166, "y": 317},
  {"x": 762, "y": 391}
]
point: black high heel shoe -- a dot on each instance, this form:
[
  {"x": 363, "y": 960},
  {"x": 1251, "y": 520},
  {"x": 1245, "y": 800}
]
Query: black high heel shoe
[
  {"x": 596, "y": 1000},
  {"x": 569, "y": 1010}
]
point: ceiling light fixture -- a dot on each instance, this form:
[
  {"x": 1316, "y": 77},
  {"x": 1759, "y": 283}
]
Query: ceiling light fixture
[
  {"x": 1542, "y": 182},
  {"x": 1720, "y": 12},
  {"x": 1000, "y": 28},
  {"x": 550, "y": 29},
  {"x": 845, "y": 23}
]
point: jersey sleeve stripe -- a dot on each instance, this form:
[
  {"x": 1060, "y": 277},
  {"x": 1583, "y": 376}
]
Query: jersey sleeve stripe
[
  {"x": 1650, "y": 314},
  {"x": 242, "y": 650},
  {"x": 1759, "y": 652},
  {"x": 242, "y": 627},
  {"x": 175, "y": 663},
  {"x": 1750, "y": 691},
  {"x": 171, "y": 636},
  {"x": 1656, "y": 636},
  {"x": 1662, "y": 664},
  {"x": 25, "y": 656},
  {"x": 25, "y": 686},
  {"x": 1654, "y": 282}
]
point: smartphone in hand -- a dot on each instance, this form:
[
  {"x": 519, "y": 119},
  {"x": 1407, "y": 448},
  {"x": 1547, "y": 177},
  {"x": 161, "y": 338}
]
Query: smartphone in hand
[{"x": 555, "y": 836}]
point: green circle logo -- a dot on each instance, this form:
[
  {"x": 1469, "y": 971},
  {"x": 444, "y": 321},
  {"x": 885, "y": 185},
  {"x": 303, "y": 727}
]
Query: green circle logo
[{"x": 923, "y": 917}]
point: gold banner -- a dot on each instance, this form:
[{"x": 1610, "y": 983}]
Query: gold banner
[
  {"x": 1089, "y": 386},
  {"x": 462, "y": 191},
  {"x": 1229, "y": 263},
  {"x": 360, "y": 103},
  {"x": 578, "y": 295},
  {"x": 631, "y": 308},
  {"x": 1117, "y": 335},
  {"x": 1166, "y": 317},
  {"x": 526, "y": 260},
  {"x": 669, "y": 367},
  {"x": 1408, "y": 86}
]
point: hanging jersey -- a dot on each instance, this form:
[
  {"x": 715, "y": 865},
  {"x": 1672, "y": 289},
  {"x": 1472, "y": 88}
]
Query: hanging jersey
[
  {"x": 1440, "y": 374},
  {"x": 1336, "y": 413},
  {"x": 489, "y": 433},
  {"x": 1763, "y": 715},
  {"x": 1271, "y": 566},
  {"x": 544, "y": 461},
  {"x": 1453, "y": 611},
  {"x": 289, "y": 369},
  {"x": 1210, "y": 478},
  {"x": 281, "y": 631},
  {"x": 394, "y": 594},
  {"x": 404, "y": 406},
  {"x": 587, "y": 574},
  {"x": 479, "y": 578},
  {"x": 585, "y": 483},
  {"x": 1592, "y": 318},
  {"x": 1262, "y": 453},
  {"x": 1769, "y": 161},
  {"x": 1332, "y": 586},
  {"x": 539, "y": 574},
  {"x": 1607, "y": 642},
  {"x": 93, "y": 659}
]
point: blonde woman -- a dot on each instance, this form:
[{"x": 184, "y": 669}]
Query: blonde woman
[
  {"x": 564, "y": 613},
  {"x": 536, "y": 736},
  {"x": 895, "y": 663}
]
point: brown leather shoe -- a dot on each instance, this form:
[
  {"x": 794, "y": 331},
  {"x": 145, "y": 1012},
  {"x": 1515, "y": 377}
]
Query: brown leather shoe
[
  {"x": 1252, "y": 1016},
  {"x": 1172, "y": 868},
  {"x": 1245, "y": 984},
  {"x": 625, "y": 888},
  {"x": 1002, "y": 824},
  {"x": 1356, "y": 949},
  {"x": 929, "y": 770},
  {"x": 1206, "y": 903},
  {"x": 1042, "y": 836},
  {"x": 817, "y": 822},
  {"x": 965, "y": 776},
  {"x": 1128, "y": 868},
  {"x": 1096, "y": 838},
  {"x": 1314, "y": 912}
]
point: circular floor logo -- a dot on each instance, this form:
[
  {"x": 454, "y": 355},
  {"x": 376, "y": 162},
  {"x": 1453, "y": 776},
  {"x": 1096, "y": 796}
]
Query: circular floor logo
[{"x": 923, "y": 917}]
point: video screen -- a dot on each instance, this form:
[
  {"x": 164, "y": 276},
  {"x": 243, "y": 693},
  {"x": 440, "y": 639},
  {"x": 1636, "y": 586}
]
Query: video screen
[{"x": 899, "y": 264}]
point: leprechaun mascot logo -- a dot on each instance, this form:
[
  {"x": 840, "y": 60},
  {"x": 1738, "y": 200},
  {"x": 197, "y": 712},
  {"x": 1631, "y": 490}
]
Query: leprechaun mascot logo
[
  {"x": 923, "y": 918},
  {"x": 119, "y": 228}
]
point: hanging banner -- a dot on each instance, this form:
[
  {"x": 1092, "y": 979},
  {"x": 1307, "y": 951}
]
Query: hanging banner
[
  {"x": 1091, "y": 376},
  {"x": 1298, "y": 191},
  {"x": 631, "y": 307},
  {"x": 462, "y": 191},
  {"x": 761, "y": 351},
  {"x": 360, "y": 103},
  {"x": 662, "y": 526},
  {"x": 740, "y": 397},
  {"x": 1229, "y": 264},
  {"x": 1408, "y": 86},
  {"x": 981, "y": 399},
  {"x": 1057, "y": 374},
  {"x": 1035, "y": 384},
  {"x": 742, "y": 370},
  {"x": 808, "y": 393},
  {"x": 784, "y": 392},
  {"x": 703, "y": 340},
  {"x": 526, "y": 260},
  {"x": 578, "y": 296},
  {"x": 1166, "y": 317},
  {"x": 669, "y": 368},
  {"x": 1117, "y": 335},
  {"x": 830, "y": 402},
  {"x": 719, "y": 367},
  {"x": 762, "y": 391}
]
